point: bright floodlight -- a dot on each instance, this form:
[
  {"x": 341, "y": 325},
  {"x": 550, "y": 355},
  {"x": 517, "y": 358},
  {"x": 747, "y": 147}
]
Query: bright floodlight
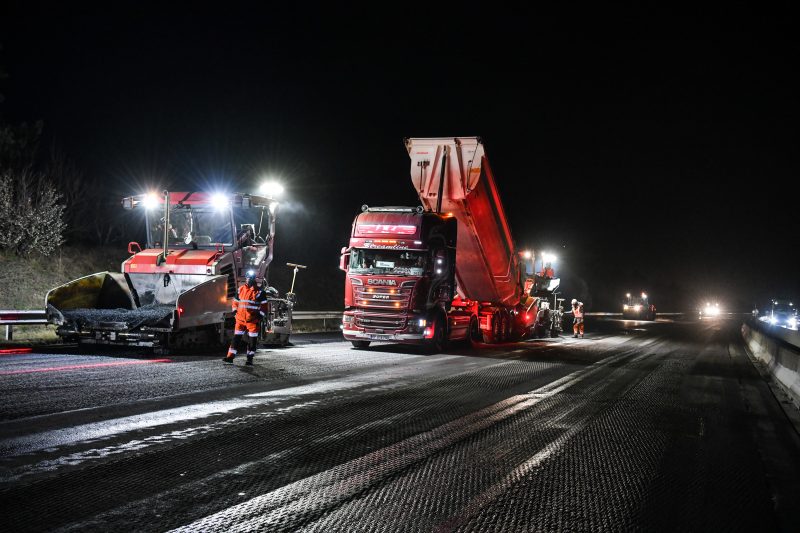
[
  {"x": 644, "y": 296},
  {"x": 150, "y": 201},
  {"x": 548, "y": 257},
  {"x": 526, "y": 254},
  {"x": 220, "y": 201},
  {"x": 271, "y": 189}
]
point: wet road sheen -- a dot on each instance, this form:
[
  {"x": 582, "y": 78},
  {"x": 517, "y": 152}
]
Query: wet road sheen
[{"x": 639, "y": 426}]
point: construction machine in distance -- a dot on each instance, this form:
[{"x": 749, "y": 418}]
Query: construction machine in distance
[
  {"x": 638, "y": 308},
  {"x": 443, "y": 271},
  {"x": 178, "y": 291}
]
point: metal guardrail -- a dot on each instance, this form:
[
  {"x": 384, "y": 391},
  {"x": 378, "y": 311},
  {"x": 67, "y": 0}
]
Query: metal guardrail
[
  {"x": 11, "y": 318},
  {"x": 316, "y": 315}
]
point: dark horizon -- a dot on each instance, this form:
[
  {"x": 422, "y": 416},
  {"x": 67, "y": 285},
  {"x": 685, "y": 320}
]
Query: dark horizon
[{"x": 657, "y": 165}]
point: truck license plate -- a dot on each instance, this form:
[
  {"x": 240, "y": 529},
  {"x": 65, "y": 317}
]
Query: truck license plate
[{"x": 378, "y": 337}]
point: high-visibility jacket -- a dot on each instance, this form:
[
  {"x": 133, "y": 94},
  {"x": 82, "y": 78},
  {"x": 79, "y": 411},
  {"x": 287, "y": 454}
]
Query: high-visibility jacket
[
  {"x": 577, "y": 311},
  {"x": 250, "y": 304}
]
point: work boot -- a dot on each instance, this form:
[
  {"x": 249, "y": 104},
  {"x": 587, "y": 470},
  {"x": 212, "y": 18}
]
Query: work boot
[
  {"x": 249, "y": 361},
  {"x": 581, "y": 335},
  {"x": 575, "y": 336},
  {"x": 228, "y": 360}
]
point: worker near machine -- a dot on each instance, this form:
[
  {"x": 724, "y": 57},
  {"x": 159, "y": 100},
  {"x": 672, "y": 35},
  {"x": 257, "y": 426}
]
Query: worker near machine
[
  {"x": 250, "y": 307},
  {"x": 547, "y": 271},
  {"x": 577, "y": 320}
]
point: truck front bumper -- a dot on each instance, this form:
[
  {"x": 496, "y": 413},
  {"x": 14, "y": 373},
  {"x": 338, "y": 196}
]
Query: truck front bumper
[{"x": 360, "y": 335}]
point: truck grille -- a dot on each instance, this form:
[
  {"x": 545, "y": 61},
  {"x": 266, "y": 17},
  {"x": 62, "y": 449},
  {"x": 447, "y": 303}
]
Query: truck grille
[
  {"x": 380, "y": 321},
  {"x": 382, "y": 298}
]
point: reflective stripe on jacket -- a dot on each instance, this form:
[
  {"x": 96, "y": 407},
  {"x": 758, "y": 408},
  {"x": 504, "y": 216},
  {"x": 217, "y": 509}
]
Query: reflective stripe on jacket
[{"x": 250, "y": 305}]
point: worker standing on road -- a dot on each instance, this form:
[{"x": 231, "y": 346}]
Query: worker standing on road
[
  {"x": 250, "y": 308},
  {"x": 577, "y": 321},
  {"x": 547, "y": 271}
]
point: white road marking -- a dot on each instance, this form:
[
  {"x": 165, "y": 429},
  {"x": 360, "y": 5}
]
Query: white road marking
[{"x": 344, "y": 481}]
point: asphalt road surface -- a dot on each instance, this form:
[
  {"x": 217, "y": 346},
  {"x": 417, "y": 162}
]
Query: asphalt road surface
[{"x": 639, "y": 426}]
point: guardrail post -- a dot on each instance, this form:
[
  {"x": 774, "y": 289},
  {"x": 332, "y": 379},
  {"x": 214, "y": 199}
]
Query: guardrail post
[{"x": 9, "y": 334}]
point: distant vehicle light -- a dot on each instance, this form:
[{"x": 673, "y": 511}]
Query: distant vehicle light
[
  {"x": 773, "y": 320},
  {"x": 711, "y": 310},
  {"x": 625, "y": 307},
  {"x": 637, "y": 307},
  {"x": 792, "y": 322}
]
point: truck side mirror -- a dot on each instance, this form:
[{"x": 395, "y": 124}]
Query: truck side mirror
[{"x": 344, "y": 259}]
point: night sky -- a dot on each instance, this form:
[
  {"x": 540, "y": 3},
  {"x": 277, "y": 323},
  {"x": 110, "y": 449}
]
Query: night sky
[{"x": 661, "y": 163}]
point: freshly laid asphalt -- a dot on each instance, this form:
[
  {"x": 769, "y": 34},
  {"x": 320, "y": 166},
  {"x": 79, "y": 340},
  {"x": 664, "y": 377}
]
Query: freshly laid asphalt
[{"x": 646, "y": 426}]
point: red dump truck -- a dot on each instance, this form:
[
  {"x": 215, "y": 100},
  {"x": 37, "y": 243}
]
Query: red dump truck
[
  {"x": 176, "y": 291},
  {"x": 443, "y": 271}
]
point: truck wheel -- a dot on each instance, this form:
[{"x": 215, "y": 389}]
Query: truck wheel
[
  {"x": 474, "y": 332},
  {"x": 360, "y": 345},
  {"x": 491, "y": 335},
  {"x": 438, "y": 343}
]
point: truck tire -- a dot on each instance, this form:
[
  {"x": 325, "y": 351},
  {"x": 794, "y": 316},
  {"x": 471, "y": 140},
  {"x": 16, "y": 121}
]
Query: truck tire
[
  {"x": 474, "y": 336},
  {"x": 492, "y": 335},
  {"x": 438, "y": 343},
  {"x": 360, "y": 345}
]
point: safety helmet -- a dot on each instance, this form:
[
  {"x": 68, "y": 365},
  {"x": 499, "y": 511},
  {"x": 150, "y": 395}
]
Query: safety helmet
[
  {"x": 250, "y": 274},
  {"x": 574, "y": 301}
]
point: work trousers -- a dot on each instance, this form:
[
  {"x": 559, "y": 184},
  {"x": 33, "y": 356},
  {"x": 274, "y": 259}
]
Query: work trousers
[{"x": 242, "y": 331}]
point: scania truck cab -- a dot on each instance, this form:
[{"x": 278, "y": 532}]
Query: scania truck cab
[{"x": 400, "y": 276}]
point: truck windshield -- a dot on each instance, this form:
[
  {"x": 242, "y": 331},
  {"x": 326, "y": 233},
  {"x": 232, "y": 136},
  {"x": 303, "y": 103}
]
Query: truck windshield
[
  {"x": 192, "y": 227},
  {"x": 388, "y": 262}
]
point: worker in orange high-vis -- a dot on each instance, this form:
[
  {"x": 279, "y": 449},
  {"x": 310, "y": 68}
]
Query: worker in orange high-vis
[
  {"x": 577, "y": 321},
  {"x": 250, "y": 307}
]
